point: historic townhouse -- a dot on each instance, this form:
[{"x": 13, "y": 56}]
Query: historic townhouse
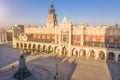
[{"x": 65, "y": 38}]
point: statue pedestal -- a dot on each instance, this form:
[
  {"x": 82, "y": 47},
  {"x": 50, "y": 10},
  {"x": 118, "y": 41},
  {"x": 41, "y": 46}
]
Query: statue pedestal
[
  {"x": 22, "y": 72},
  {"x": 29, "y": 78}
]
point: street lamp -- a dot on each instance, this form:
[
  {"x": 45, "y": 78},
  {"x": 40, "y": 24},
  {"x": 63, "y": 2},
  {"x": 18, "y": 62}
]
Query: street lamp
[{"x": 56, "y": 75}]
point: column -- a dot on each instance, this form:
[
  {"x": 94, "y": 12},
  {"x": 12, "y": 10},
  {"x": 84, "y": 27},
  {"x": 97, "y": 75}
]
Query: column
[
  {"x": 14, "y": 45},
  {"x": 87, "y": 54},
  {"x": 60, "y": 51},
  {"x": 59, "y": 47},
  {"x": 55, "y": 36},
  {"x": 82, "y": 36},
  {"x": 96, "y": 55},
  {"x": 69, "y": 43},
  {"x": 78, "y": 53},
  {"x": 116, "y": 57},
  {"x": 106, "y": 55}
]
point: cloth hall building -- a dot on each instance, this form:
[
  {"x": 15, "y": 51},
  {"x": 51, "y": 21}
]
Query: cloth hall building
[{"x": 65, "y": 38}]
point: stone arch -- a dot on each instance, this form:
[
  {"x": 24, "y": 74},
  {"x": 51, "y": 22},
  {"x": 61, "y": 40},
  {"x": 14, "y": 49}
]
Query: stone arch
[
  {"x": 34, "y": 46},
  {"x": 50, "y": 49},
  {"x": 111, "y": 56},
  {"x": 25, "y": 45},
  {"x": 17, "y": 45},
  {"x": 101, "y": 55},
  {"x": 56, "y": 50},
  {"x": 77, "y": 53},
  {"x": 39, "y": 48},
  {"x": 29, "y": 46},
  {"x": 82, "y": 53},
  {"x": 64, "y": 51},
  {"x": 91, "y": 54},
  {"x": 119, "y": 58},
  {"x": 21, "y": 45},
  {"x": 73, "y": 51},
  {"x": 44, "y": 48}
]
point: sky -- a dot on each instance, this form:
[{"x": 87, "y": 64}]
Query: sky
[{"x": 35, "y": 12}]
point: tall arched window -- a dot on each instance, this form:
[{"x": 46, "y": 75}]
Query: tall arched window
[{"x": 64, "y": 38}]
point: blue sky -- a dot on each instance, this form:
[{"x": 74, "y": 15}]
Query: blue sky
[{"x": 35, "y": 12}]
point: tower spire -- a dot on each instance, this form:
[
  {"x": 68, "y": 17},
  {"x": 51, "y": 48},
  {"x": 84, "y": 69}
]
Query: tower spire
[
  {"x": 52, "y": 10},
  {"x": 51, "y": 20},
  {"x": 51, "y": 1}
]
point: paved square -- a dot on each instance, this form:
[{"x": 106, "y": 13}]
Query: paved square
[{"x": 69, "y": 68}]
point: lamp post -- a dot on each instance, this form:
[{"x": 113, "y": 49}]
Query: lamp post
[
  {"x": 56, "y": 69},
  {"x": 56, "y": 75}
]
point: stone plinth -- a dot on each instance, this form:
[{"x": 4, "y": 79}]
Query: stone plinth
[{"x": 22, "y": 71}]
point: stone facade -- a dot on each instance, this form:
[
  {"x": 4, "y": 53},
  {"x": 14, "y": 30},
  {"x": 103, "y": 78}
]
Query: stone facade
[
  {"x": 65, "y": 38},
  {"x": 3, "y": 36}
]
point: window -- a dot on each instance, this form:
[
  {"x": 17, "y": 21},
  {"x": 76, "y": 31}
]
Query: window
[
  {"x": 64, "y": 38},
  {"x": 50, "y": 37},
  {"x": 94, "y": 39},
  {"x": 77, "y": 38},
  {"x": 40, "y": 36},
  {"x": 102, "y": 39},
  {"x": 111, "y": 39},
  {"x": 107, "y": 37},
  {"x": 45, "y": 36},
  {"x": 116, "y": 36},
  {"x": 87, "y": 38}
]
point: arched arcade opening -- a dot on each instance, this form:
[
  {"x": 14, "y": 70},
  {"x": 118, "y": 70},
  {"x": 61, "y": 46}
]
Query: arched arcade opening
[
  {"x": 91, "y": 54},
  {"x": 64, "y": 51},
  {"x": 101, "y": 55},
  {"x": 119, "y": 58},
  {"x": 25, "y": 45},
  {"x": 82, "y": 53},
  {"x": 50, "y": 49},
  {"x": 38, "y": 48},
  {"x": 21, "y": 45},
  {"x": 74, "y": 52},
  {"x": 111, "y": 57},
  {"x": 44, "y": 49},
  {"x": 17, "y": 45}
]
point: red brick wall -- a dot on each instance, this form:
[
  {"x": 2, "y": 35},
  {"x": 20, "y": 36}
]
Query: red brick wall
[
  {"x": 73, "y": 39},
  {"x": 113, "y": 37},
  {"x": 97, "y": 38},
  {"x": 74, "y": 42}
]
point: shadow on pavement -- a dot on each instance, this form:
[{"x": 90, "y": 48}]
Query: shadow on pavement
[
  {"x": 114, "y": 69},
  {"x": 66, "y": 65}
]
